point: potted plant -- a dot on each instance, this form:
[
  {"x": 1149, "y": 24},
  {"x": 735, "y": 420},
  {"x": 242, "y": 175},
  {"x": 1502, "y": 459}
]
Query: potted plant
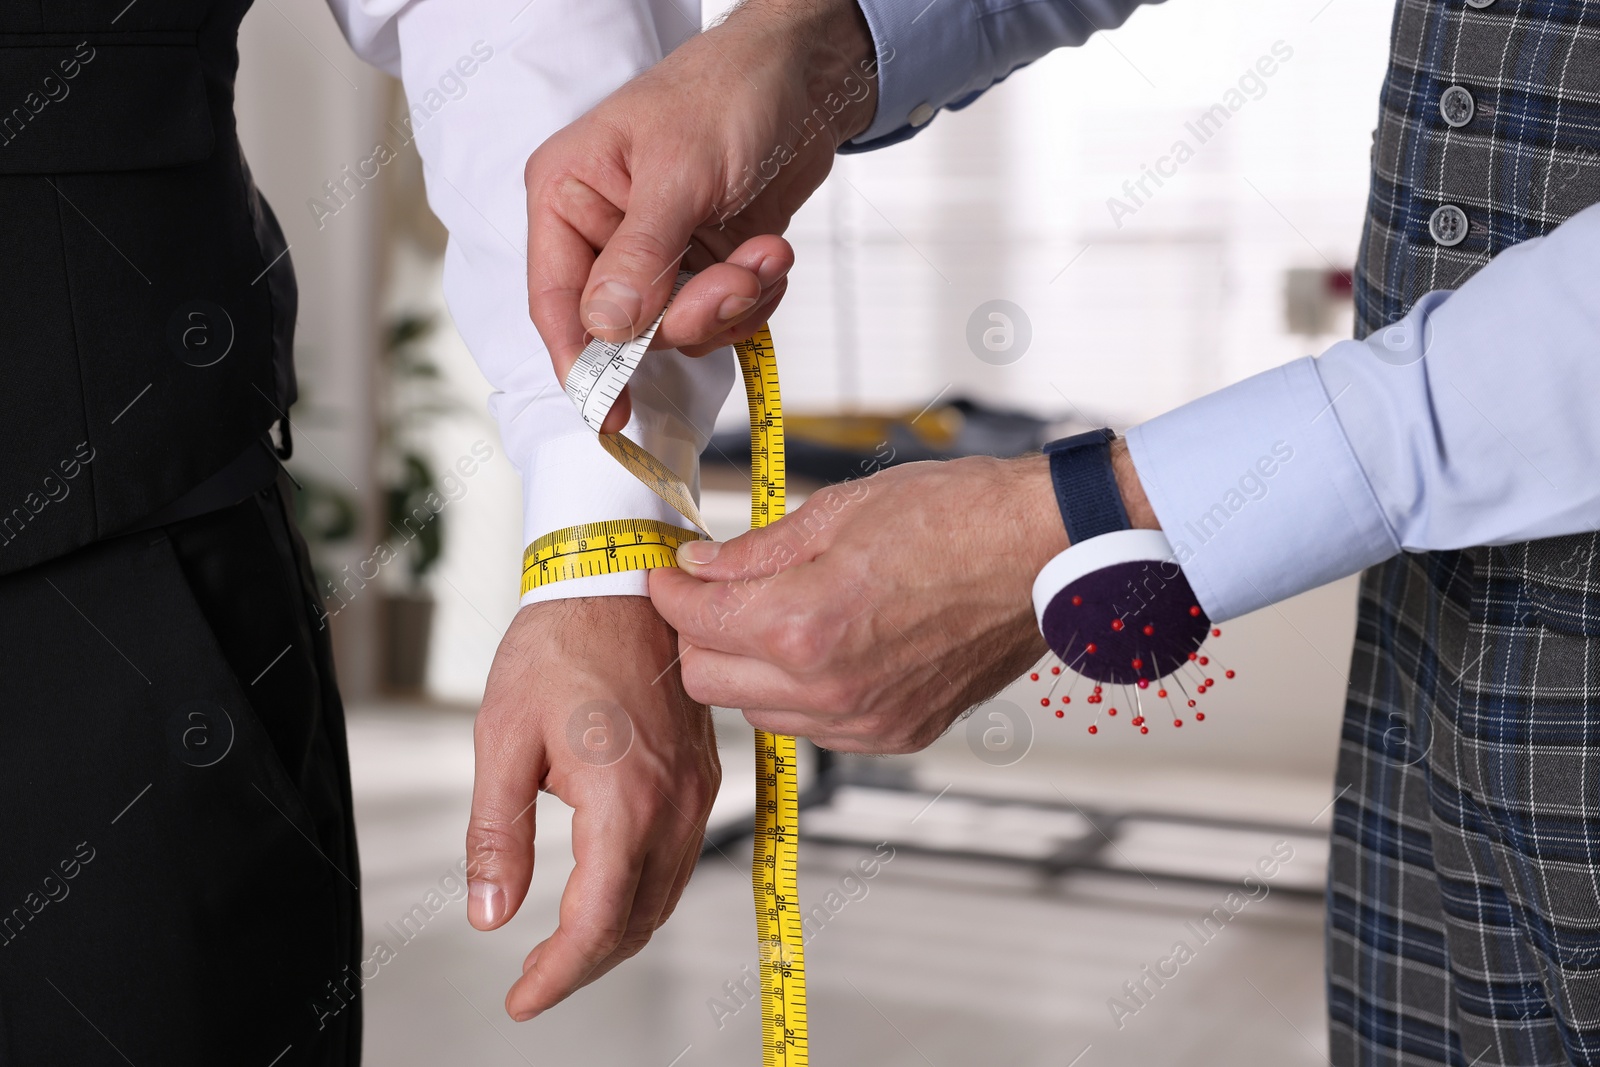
[{"x": 408, "y": 401}]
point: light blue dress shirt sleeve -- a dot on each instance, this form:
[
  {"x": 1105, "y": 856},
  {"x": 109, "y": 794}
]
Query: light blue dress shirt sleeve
[
  {"x": 934, "y": 54},
  {"x": 1473, "y": 421}
]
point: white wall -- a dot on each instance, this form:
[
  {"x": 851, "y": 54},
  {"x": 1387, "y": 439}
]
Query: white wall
[{"x": 994, "y": 201}]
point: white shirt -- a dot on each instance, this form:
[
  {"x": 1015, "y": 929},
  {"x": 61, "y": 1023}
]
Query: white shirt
[{"x": 487, "y": 82}]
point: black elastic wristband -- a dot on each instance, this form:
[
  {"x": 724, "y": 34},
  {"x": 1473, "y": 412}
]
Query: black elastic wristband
[{"x": 1086, "y": 486}]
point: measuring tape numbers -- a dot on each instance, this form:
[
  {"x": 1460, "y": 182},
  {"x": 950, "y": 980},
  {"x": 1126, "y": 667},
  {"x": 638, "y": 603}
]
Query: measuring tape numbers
[
  {"x": 593, "y": 384},
  {"x": 775, "y": 862},
  {"x": 604, "y": 367},
  {"x": 602, "y": 548}
]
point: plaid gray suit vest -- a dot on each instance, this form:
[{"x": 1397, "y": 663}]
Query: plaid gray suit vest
[{"x": 1464, "y": 886}]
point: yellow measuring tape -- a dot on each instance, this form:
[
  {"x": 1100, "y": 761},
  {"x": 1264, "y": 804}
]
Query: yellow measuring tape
[
  {"x": 775, "y": 864},
  {"x": 640, "y": 544},
  {"x": 602, "y": 548}
]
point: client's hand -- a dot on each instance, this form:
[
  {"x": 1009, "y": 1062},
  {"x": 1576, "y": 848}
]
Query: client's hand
[{"x": 583, "y": 702}]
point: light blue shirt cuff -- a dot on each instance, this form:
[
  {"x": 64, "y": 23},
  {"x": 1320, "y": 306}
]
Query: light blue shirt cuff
[
  {"x": 1474, "y": 416},
  {"x": 1258, "y": 490},
  {"x": 928, "y": 52},
  {"x": 936, "y": 54}
]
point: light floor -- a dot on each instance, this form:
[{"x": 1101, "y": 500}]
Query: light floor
[{"x": 930, "y": 962}]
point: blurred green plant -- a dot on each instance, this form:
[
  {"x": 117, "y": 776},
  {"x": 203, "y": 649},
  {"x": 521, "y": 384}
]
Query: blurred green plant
[{"x": 408, "y": 402}]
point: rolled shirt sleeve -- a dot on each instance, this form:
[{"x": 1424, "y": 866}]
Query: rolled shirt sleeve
[
  {"x": 534, "y": 69},
  {"x": 1470, "y": 422},
  {"x": 934, "y": 54}
]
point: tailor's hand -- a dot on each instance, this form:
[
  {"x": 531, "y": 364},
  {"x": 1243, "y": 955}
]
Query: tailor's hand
[
  {"x": 881, "y": 610},
  {"x": 583, "y": 703},
  {"x": 711, "y": 150},
  {"x": 877, "y": 613}
]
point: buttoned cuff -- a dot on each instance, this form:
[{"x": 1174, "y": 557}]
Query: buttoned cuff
[
  {"x": 936, "y": 54},
  {"x": 572, "y": 480},
  {"x": 927, "y": 59},
  {"x": 1259, "y": 491}
]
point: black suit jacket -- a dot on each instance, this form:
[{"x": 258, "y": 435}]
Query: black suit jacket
[{"x": 147, "y": 302}]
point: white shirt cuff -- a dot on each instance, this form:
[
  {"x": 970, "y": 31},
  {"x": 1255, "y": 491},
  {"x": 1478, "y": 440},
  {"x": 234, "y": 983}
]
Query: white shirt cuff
[{"x": 572, "y": 480}]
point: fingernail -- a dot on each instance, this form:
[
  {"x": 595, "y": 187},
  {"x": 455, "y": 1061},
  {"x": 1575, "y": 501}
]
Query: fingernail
[
  {"x": 612, "y": 306},
  {"x": 486, "y": 904},
  {"x": 524, "y": 1017},
  {"x": 771, "y": 269},
  {"x": 734, "y": 306},
  {"x": 699, "y": 552}
]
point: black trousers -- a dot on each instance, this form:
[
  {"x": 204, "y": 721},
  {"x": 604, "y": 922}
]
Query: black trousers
[{"x": 178, "y": 878}]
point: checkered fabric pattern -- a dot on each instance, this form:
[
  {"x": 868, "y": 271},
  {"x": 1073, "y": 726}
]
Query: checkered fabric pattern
[
  {"x": 1464, "y": 885},
  {"x": 1526, "y": 161}
]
